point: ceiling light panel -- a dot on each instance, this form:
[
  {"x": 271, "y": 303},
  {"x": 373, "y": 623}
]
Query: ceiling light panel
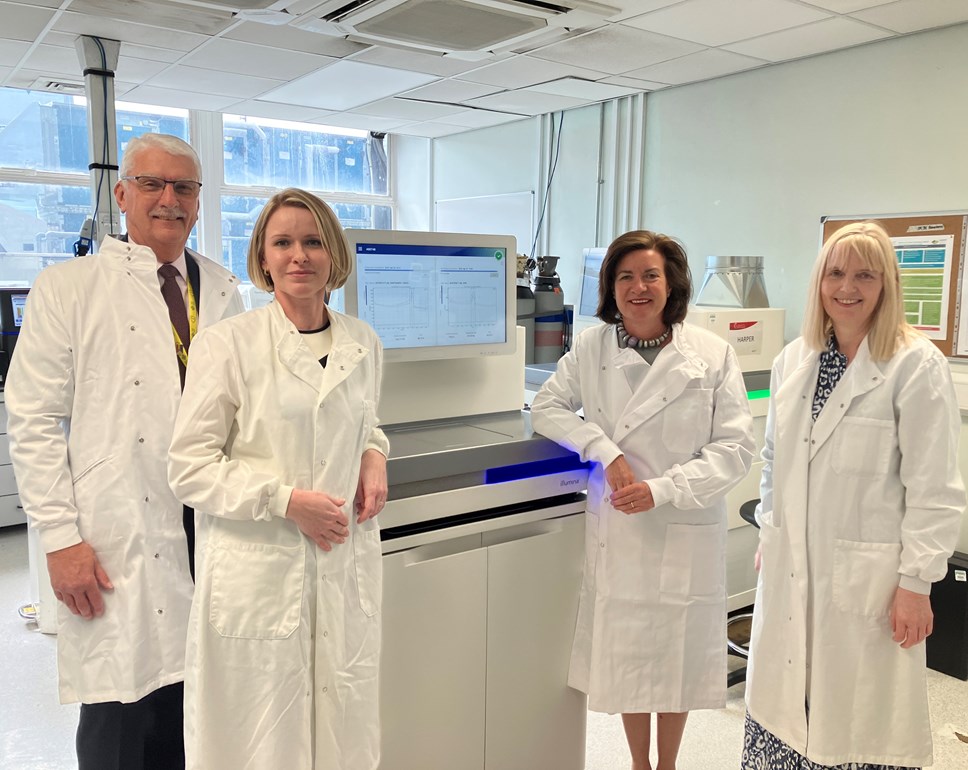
[
  {"x": 846, "y": 6},
  {"x": 481, "y": 118},
  {"x": 526, "y": 102},
  {"x": 583, "y": 89},
  {"x": 826, "y": 35},
  {"x": 348, "y": 84},
  {"x": 717, "y": 22},
  {"x": 618, "y": 49},
  {"x": 256, "y": 108},
  {"x": 167, "y": 97}
]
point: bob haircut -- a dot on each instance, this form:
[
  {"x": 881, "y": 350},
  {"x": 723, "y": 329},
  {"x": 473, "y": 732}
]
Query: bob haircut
[
  {"x": 677, "y": 274},
  {"x": 164, "y": 142},
  {"x": 888, "y": 328},
  {"x": 330, "y": 233}
]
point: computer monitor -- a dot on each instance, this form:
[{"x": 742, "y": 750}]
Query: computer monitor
[
  {"x": 590, "y": 268},
  {"x": 434, "y": 295},
  {"x": 12, "y": 304}
]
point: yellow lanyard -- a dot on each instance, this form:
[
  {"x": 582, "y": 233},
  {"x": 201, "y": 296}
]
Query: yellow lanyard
[{"x": 192, "y": 327}]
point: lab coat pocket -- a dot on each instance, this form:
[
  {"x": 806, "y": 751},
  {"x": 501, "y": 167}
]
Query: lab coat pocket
[
  {"x": 369, "y": 568},
  {"x": 865, "y": 577},
  {"x": 692, "y": 562},
  {"x": 686, "y": 422},
  {"x": 863, "y": 447},
  {"x": 257, "y": 589}
]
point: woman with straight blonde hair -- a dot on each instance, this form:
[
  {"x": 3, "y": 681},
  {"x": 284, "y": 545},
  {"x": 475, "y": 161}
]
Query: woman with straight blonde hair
[
  {"x": 861, "y": 504},
  {"x": 278, "y": 448}
]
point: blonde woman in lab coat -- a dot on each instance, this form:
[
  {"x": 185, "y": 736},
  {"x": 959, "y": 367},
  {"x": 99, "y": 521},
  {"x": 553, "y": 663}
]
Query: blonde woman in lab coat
[
  {"x": 861, "y": 507},
  {"x": 667, "y": 422},
  {"x": 277, "y": 447}
]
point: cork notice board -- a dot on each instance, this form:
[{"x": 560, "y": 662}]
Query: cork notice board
[{"x": 931, "y": 253}]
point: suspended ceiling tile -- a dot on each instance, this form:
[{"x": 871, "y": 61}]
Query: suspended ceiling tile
[
  {"x": 44, "y": 3},
  {"x": 347, "y": 84},
  {"x": 12, "y": 51},
  {"x": 481, "y": 118},
  {"x": 249, "y": 59},
  {"x": 55, "y": 60},
  {"x": 407, "y": 109},
  {"x": 167, "y": 97},
  {"x": 23, "y": 22},
  {"x": 128, "y": 32},
  {"x": 847, "y": 6},
  {"x": 135, "y": 70},
  {"x": 617, "y": 49},
  {"x": 717, "y": 22},
  {"x": 443, "y": 66},
  {"x": 711, "y": 63},
  {"x": 521, "y": 71},
  {"x": 292, "y": 39},
  {"x": 159, "y": 13},
  {"x": 915, "y": 15},
  {"x": 583, "y": 89},
  {"x": 527, "y": 102},
  {"x": 826, "y": 35},
  {"x": 63, "y": 39},
  {"x": 451, "y": 91},
  {"x": 637, "y": 84},
  {"x": 212, "y": 82},
  {"x": 630, "y": 8},
  {"x": 150, "y": 52},
  {"x": 430, "y": 130},
  {"x": 257, "y": 108},
  {"x": 361, "y": 122}
]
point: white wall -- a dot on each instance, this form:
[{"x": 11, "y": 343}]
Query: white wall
[{"x": 748, "y": 164}]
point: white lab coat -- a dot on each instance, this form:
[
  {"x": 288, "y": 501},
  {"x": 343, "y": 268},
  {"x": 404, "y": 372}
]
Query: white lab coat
[
  {"x": 651, "y": 629},
  {"x": 92, "y": 394},
  {"x": 284, "y": 642},
  {"x": 865, "y": 498}
]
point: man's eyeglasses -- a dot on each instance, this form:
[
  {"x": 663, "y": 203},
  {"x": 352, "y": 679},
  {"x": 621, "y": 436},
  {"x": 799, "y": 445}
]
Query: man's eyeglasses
[{"x": 154, "y": 185}]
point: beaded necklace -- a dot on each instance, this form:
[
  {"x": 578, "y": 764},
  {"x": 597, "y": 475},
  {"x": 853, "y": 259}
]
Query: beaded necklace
[{"x": 629, "y": 341}]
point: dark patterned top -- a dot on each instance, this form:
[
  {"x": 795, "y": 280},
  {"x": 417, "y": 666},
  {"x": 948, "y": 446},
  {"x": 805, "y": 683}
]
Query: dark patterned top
[{"x": 833, "y": 364}]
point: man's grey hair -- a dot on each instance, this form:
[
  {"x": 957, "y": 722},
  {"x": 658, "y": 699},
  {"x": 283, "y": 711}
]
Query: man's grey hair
[{"x": 166, "y": 142}]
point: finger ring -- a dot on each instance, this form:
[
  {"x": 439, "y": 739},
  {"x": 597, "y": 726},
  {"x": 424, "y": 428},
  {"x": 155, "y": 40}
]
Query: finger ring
[{"x": 632, "y": 503}]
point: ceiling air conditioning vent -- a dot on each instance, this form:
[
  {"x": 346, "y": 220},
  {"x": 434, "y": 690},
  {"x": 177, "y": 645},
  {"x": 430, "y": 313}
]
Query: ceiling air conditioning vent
[{"x": 452, "y": 26}]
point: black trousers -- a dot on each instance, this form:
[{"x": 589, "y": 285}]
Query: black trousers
[{"x": 145, "y": 735}]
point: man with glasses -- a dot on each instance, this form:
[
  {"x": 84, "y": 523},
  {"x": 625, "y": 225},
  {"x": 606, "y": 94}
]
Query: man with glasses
[{"x": 92, "y": 395}]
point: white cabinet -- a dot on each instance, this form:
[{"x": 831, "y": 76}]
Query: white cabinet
[
  {"x": 477, "y": 634},
  {"x": 10, "y": 510}
]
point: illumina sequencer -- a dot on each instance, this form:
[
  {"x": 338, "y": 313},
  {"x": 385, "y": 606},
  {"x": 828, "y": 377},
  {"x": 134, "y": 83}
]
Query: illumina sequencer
[{"x": 433, "y": 295}]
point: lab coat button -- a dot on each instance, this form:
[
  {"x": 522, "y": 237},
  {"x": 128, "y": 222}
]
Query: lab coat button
[
  {"x": 813, "y": 441},
  {"x": 664, "y": 398},
  {"x": 157, "y": 555},
  {"x": 132, "y": 327},
  {"x": 325, "y": 634},
  {"x": 141, "y": 439},
  {"x": 602, "y": 545},
  {"x": 161, "y": 612},
  {"x": 603, "y": 368},
  {"x": 342, "y": 368},
  {"x": 223, "y": 293},
  {"x": 626, "y": 427},
  {"x": 146, "y": 499},
  {"x": 322, "y": 462},
  {"x": 325, "y": 689},
  {"x": 137, "y": 382}
]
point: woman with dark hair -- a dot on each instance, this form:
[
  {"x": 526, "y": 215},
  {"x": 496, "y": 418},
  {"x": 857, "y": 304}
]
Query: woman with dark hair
[{"x": 667, "y": 422}]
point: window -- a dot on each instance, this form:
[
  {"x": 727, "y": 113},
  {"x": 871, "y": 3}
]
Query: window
[
  {"x": 45, "y": 193},
  {"x": 346, "y": 168}
]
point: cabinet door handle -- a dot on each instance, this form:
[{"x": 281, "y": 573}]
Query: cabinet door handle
[{"x": 433, "y": 551}]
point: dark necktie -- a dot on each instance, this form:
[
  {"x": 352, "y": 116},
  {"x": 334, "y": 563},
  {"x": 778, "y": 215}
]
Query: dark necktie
[{"x": 172, "y": 293}]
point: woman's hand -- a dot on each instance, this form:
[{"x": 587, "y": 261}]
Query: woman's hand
[
  {"x": 912, "y": 620},
  {"x": 371, "y": 492},
  {"x": 318, "y": 517},
  {"x": 628, "y": 495}
]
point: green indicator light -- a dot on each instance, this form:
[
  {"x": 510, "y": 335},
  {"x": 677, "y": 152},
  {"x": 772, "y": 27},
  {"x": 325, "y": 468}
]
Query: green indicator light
[
  {"x": 755, "y": 394},
  {"x": 499, "y": 255}
]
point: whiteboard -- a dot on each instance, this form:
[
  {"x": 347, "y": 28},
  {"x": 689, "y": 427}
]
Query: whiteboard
[{"x": 506, "y": 214}]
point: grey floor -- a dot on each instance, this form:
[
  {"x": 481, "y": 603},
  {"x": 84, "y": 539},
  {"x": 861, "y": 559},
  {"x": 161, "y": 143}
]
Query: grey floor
[{"x": 36, "y": 733}]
